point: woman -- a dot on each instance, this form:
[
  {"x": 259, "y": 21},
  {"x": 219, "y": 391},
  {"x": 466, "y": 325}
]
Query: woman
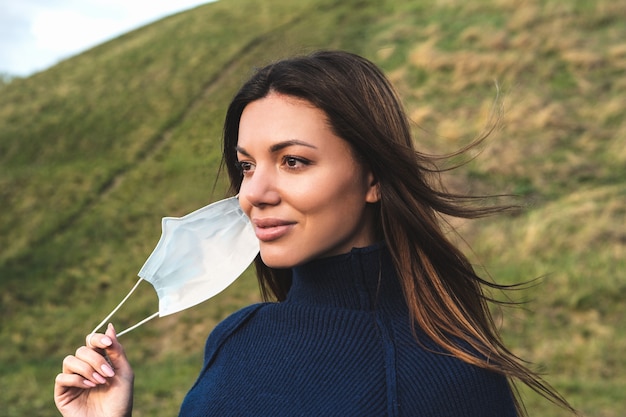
[{"x": 377, "y": 313}]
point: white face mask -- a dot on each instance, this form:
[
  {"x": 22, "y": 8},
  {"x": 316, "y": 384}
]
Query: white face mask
[{"x": 197, "y": 257}]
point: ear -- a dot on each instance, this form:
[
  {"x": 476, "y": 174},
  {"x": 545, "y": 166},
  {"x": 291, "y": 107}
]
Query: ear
[{"x": 373, "y": 190}]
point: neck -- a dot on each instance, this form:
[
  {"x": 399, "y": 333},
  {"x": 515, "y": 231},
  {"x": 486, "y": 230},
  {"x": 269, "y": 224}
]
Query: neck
[{"x": 363, "y": 279}]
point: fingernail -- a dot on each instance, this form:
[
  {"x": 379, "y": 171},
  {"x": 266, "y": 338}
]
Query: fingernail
[
  {"x": 89, "y": 383},
  {"x": 108, "y": 371},
  {"x": 106, "y": 341},
  {"x": 99, "y": 378}
]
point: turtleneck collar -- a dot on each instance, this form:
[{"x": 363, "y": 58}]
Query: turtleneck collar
[{"x": 363, "y": 279}]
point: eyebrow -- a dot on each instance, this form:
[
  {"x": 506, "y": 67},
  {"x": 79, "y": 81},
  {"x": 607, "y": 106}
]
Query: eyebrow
[{"x": 279, "y": 146}]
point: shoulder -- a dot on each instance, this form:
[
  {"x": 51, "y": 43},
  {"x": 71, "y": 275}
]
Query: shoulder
[
  {"x": 433, "y": 379},
  {"x": 470, "y": 388},
  {"x": 480, "y": 386},
  {"x": 445, "y": 385},
  {"x": 229, "y": 326}
]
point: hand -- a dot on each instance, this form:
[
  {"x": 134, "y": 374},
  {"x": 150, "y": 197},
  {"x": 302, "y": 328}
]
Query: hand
[{"x": 91, "y": 386}]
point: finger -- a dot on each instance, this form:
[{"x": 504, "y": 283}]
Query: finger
[
  {"x": 96, "y": 360},
  {"x": 73, "y": 365},
  {"x": 64, "y": 381},
  {"x": 98, "y": 341},
  {"x": 89, "y": 336},
  {"x": 115, "y": 352}
]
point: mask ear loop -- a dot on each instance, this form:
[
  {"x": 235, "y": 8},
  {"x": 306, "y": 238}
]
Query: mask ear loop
[
  {"x": 133, "y": 327},
  {"x": 107, "y": 318}
]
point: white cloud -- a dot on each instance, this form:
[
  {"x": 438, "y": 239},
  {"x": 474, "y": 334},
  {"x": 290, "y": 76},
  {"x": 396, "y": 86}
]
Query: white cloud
[{"x": 35, "y": 34}]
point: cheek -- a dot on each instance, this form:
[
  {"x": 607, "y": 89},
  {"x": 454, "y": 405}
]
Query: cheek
[{"x": 333, "y": 208}]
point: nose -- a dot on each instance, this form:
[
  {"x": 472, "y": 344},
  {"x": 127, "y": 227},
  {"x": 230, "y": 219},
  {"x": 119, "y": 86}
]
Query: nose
[{"x": 259, "y": 188}]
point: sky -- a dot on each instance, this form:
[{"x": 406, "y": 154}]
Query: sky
[{"x": 36, "y": 34}]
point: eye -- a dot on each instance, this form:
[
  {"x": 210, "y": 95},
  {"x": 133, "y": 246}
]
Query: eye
[
  {"x": 293, "y": 162},
  {"x": 245, "y": 167}
]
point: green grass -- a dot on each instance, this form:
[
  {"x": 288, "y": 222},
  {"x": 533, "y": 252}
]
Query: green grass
[{"x": 94, "y": 151}]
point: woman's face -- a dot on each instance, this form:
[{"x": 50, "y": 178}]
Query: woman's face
[{"x": 302, "y": 188}]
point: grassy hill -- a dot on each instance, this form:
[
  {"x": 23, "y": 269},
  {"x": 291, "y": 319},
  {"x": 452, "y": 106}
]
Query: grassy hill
[{"x": 94, "y": 151}]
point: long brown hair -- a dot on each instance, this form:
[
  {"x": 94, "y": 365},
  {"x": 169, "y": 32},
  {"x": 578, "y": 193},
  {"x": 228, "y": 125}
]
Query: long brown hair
[{"x": 444, "y": 294}]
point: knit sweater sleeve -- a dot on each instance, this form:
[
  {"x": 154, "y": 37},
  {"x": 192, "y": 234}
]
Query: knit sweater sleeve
[{"x": 220, "y": 334}]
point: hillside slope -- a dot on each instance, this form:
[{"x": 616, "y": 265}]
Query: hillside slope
[{"x": 94, "y": 151}]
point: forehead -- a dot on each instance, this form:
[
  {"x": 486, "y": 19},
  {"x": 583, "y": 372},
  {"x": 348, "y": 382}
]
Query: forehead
[
  {"x": 278, "y": 122},
  {"x": 282, "y": 117}
]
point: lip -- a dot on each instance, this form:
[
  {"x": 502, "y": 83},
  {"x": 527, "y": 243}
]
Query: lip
[{"x": 270, "y": 229}]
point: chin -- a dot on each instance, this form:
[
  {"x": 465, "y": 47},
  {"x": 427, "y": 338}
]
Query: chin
[
  {"x": 280, "y": 259},
  {"x": 275, "y": 261}
]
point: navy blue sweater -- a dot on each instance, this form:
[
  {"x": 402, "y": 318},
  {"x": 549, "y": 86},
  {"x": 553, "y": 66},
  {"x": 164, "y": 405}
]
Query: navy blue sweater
[{"x": 340, "y": 345}]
